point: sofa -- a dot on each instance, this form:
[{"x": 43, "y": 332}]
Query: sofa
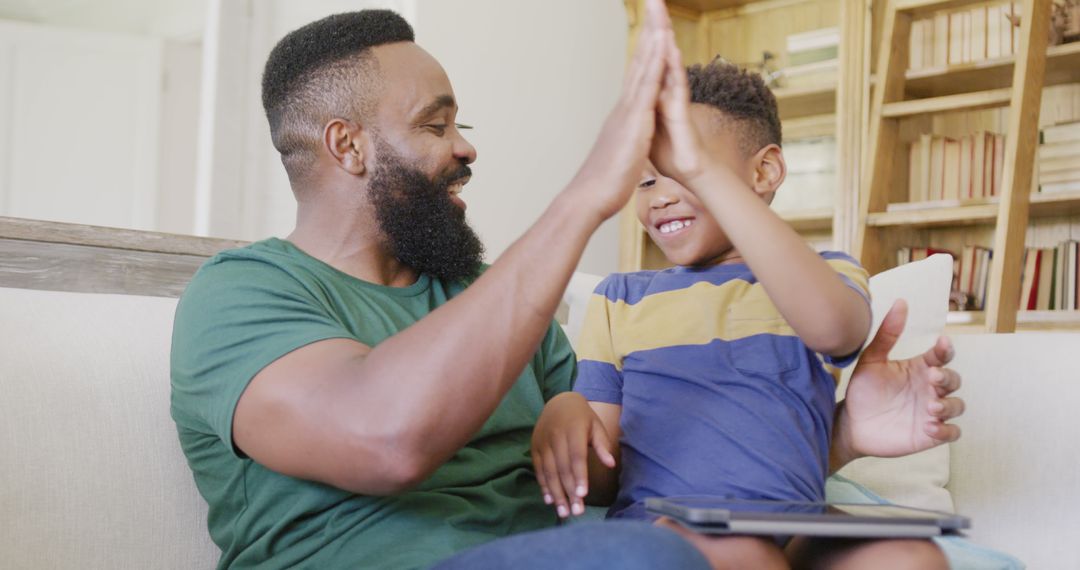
[{"x": 93, "y": 475}]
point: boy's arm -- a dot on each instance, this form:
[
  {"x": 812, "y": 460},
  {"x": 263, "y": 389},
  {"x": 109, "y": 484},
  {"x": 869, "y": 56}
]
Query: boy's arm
[
  {"x": 567, "y": 429},
  {"x": 604, "y": 480},
  {"x": 830, "y": 317}
]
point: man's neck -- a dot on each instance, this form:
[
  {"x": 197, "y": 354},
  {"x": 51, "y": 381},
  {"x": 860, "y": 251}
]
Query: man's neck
[{"x": 350, "y": 245}]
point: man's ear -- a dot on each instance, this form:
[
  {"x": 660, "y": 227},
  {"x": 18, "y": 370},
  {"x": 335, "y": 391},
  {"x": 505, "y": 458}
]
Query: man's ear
[
  {"x": 769, "y": 171},
  {"x": 346, "y": 142}
]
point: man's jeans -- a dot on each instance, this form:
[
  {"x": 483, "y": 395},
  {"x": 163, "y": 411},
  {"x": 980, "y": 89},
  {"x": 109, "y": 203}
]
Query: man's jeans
[{"x": 627, "y": 545}]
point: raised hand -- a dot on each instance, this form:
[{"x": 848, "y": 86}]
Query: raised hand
[
  {"x": 614, "y": 165},
  {"x": 676, "y": 150},
  {"x": 566, "y": 430},
  {"x": 898, "y": 407}
]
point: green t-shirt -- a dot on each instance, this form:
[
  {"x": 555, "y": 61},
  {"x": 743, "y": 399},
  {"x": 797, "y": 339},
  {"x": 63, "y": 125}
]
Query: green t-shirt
[{"x": 247, "y": 307}]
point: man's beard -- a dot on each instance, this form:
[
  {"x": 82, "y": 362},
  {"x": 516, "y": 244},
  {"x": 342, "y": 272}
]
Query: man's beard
[{"x": 421, "y": 227}]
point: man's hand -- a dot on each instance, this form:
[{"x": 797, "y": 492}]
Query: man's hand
[
  {"x": 560, "y": 450},
  {"x": 897, "y": 407},
  {"x": 614, "y": 165}
]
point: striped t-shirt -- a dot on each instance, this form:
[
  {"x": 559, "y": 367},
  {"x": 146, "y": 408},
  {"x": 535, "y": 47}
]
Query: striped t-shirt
[{"x": 718, "y": 394}]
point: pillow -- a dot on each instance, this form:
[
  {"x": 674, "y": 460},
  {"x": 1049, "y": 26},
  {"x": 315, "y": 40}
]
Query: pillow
[{"x": 916, "y": 480}]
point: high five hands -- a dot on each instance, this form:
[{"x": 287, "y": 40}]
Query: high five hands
[{"x": 650, "y": 121}]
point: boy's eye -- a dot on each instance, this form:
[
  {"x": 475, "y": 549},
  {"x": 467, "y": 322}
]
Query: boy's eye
[{"x": 646, "y": 183}]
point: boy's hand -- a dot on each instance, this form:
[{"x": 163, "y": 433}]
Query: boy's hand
[
  {"x": 676, "y": 150},
  {"x": 898, "y": 407},
  {"x": 614, "y": 165},
  {"x": 560, "y": 450}
]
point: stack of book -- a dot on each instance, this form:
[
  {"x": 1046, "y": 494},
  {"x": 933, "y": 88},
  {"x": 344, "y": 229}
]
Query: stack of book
[
  {"x": 963, "y": 36},
  {"x": 1050, "y": 278},
  {"x": 811, "y": 175},
  {"x": 974, "y": 278},
  {"x": 944, "y": 168},
  {"x": 812, "y": 58},
  {"x": 1059, "y": 158}
]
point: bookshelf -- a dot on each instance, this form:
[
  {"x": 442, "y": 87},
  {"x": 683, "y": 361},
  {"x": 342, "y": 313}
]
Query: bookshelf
[
  {"x": 1015, "y": 95},
  {"x": 741, "y": 31}
]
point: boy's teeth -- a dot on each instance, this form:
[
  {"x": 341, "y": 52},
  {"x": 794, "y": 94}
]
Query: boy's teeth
[{"x": 675, "y": 226}]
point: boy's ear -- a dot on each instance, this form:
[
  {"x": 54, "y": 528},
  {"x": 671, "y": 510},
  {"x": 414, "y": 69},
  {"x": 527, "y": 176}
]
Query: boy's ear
[
  {"x": 346, "y": 142},
  {"x": 769, "y": 171}
]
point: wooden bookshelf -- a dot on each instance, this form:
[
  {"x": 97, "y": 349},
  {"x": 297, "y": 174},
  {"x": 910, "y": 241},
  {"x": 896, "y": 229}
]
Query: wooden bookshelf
[
  {"x": 1062, "y": 66},
  {"x": 955, "y": 100},
  {"x": 741, "y": 31},
  {"x": 1026, "y": 321}
]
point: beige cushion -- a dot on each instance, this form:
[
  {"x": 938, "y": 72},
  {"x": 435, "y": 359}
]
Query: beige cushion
[
  {"x": 92, "y": 475},
  {"x": 916, "y": 480}
]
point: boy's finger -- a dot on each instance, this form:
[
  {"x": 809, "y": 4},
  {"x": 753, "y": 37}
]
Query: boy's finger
[
  {"x": 579, "y": 461},
  {"x": 646, "y": 90},
  {"x": 602, "y": 445},
  {"x": 566, "y": 474},
  {"x": 541, "y": 479},
  {"x": 551, "y": 473},
  {"x": 888, "y": 333}
]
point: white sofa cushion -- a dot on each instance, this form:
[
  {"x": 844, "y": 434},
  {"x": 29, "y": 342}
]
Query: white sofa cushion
[
  {"x": 1016, "y": 468},
  {"x": 93, "y": 474}
]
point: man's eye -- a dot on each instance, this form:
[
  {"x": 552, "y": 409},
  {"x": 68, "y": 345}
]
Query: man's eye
[
  {"x": 646, "y": 183},
  {"x": 437, "y": 129}
]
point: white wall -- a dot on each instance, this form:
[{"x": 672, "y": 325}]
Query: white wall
[
  {"x": 536, "y": 79},
  {"x": 534, "y": 82}
]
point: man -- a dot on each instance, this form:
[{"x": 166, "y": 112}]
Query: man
[{"x": 360, "y": 394}]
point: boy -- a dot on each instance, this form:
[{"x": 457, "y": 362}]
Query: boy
[{"x": 711, "y": 374}]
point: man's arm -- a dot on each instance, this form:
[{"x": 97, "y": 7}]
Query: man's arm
[{"x": 380, "y": 420}]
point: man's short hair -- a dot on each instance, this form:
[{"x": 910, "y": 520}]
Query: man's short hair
[
  {"x": 742, "y": 97},
  {"x": 323, "y": 71}
]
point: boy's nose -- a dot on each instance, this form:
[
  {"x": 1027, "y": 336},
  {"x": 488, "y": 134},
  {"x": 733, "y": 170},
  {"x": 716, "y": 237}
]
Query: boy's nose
[{"x": 661, "y": 200}]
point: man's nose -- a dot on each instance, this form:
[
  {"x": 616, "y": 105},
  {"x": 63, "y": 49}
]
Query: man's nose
[{"x": 463, "y": 150}]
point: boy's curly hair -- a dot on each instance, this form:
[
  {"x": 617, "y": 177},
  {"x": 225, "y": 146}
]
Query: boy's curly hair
[{"x": 743, "y": 99}]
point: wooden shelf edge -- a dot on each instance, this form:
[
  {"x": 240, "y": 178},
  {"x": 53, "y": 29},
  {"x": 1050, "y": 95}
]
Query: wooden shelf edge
[
  {"x": 818, "y": 219},
  {"x": 973, "y": 101},
  {"x": 1026, "y": 321},
  {"x": 976, "y": 211},
  {"x": 114, "y": 238}
]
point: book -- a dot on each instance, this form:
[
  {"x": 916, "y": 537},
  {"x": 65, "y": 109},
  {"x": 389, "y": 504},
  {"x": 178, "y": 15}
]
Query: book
[
  {"x": 951, "y": 172},
  {"x": 813, "y": 39},
  {"x": 956, "y": 38},
  {"x": 1063, "y": 132},
  {"x": 993, "y": 32},
  {"x": 1058, "y": 164},
  {"x": 1029, "y": 283},
  {"x": 978, "y": 164},
  {"x": 918, "y": 40},
  {"x": 1059, "y": 177},
  {"x": 978, "y": 33},
  {"x": 1060, "y": 187},
  {"x": 1046, "y": 276},
  {"x": 941, "y": 39},
  {"x": 967, "y": 157},
  {"x": 999, "y": 164},
  {"x": 1060, "y": 150}
]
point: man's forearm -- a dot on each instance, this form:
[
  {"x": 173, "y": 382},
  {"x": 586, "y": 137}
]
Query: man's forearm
[{"x": 437, "y": 382}]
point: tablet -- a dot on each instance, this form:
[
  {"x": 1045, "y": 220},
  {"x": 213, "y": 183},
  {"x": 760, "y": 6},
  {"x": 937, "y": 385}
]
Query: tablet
[{"x": 712, "y": 515}]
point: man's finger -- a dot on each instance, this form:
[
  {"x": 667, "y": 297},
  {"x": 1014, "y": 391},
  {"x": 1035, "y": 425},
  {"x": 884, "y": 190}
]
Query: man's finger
[
  {"x": 941, "y": 353},
  {"x": 602, "y": 445},
  {"x": 888, "y": 333}
]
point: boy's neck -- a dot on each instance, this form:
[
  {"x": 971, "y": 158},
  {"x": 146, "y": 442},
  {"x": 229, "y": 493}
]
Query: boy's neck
[{"x": 729, "y": 257}]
